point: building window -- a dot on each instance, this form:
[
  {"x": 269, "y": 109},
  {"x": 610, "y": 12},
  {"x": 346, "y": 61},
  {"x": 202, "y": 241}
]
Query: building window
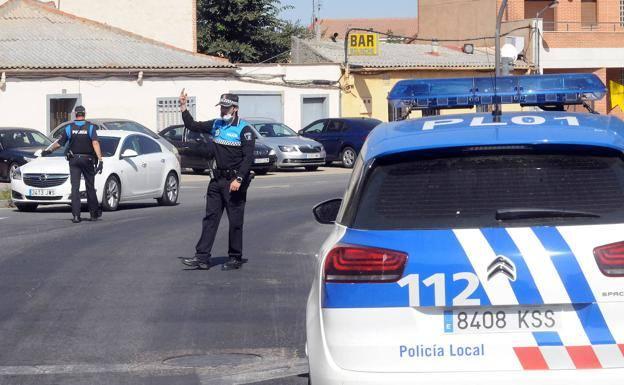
[
  {"x": 621, "y": 13},
  {"x": 168, "y": 111},
  {"x": 589, "y": 13}
]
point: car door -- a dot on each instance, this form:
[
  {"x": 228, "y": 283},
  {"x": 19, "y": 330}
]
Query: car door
[
  {"x": 155, "y": 160},
  {"x": 315, "y": 130},
  {"x": 133, "y": 170},
  {"x": 332, "y": 138},
  {"x": 195, "y": 159}
]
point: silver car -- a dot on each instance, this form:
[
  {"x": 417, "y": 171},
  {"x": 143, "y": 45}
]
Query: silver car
[{"x": 292, "y": 149}]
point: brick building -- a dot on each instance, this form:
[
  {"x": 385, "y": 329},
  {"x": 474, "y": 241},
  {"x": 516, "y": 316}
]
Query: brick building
[
  {"x": 579, "y": 36},
  {"x": 574, "y": 36}
]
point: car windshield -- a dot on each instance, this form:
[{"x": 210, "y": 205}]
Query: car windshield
[
  {"x": 130, "y": 126},
  {"x": 108, "y": 146},
  {"x": 22, "y": 138},
  {"x": 471, "y": 188},
  {"x": 274, "y": 130}
]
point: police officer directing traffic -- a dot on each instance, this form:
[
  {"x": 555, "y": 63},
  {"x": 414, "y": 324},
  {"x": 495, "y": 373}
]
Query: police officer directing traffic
[
  {"x": 232, "y": 145},
  {"x": 85, "y": 158}
]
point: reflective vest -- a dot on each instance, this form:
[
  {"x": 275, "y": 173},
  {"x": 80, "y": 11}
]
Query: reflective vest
[{"x": 226, "y": 134}]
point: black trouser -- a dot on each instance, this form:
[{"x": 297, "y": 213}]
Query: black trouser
[
  {"x": 84, "y": 165},
  {"x": 218, "y": 198}
]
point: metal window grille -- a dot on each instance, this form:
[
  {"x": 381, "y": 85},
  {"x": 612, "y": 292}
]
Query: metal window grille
[
  {"x": 168, "y": 111},
  {"x": 622, "y": 13}
]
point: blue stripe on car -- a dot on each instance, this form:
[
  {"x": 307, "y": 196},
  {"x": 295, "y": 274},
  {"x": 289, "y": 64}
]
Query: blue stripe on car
[{"x": 576, "y": 285}]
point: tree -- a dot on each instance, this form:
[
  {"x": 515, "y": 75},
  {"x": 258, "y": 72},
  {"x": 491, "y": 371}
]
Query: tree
[{"x": 245, "y": 31}]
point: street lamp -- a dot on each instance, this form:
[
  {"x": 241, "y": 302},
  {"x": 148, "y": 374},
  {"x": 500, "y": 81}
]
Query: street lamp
[{"x": 553, "y": 4}]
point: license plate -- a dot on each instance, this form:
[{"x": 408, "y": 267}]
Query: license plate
[
  {"x": 313, "y": 156},
  {"x": 506, "y": 319},
  {"x": 41, "y": 193},
  {"x": 262, "y": 160}
]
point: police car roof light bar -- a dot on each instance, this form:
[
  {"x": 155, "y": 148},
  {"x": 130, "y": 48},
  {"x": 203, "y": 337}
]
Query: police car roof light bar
[{"x": 529, "y": 90}]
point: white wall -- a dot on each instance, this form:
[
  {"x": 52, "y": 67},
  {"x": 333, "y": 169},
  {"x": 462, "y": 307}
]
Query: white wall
[
  {"x": 23, "y": 102},
  {"x": 171, "y": 22},
  {"x": 582, "y": 58}
]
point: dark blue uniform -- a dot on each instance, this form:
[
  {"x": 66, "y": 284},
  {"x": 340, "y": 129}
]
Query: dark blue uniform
[
  {"x": 80, "y": 135},
  {"x": 232, "y": 146}
]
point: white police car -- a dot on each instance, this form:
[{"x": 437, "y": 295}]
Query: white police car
[{"x": 475, "y": 250}]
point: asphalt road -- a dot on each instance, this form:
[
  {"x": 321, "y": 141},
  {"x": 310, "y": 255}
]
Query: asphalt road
[{"x": 110, "y": 303}]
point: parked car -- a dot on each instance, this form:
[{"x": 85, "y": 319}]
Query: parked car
[
  {"x": 18, "y": 147},
  {"x": 119, "y": 124},
  {"x": 183, "y": 140},
  {"x": 342, "y": 138},
  {"x": 292, "y": 149},
  {"x": 135, "y": 167}
]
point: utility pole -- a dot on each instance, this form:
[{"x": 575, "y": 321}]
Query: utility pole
[{"x": 497, "y": 48}]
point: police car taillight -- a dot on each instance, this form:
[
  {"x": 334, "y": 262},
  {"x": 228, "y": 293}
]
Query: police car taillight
[
  {"x": 346, "y": 263},
  {"x": 610, "y": 259}
]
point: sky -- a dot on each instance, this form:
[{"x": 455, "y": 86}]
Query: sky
[{"x": 344, "y": 9}]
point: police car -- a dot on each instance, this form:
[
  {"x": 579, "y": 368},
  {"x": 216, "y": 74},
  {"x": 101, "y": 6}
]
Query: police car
[{"x": 477, "y": 248}]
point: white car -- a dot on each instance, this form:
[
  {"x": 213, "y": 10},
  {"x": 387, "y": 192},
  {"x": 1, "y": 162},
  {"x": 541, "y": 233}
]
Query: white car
[{"x": 135, "y": 167}]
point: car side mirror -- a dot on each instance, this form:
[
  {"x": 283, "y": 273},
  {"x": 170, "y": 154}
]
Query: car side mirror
[
  {"x": 129, "y": 153},
  {"x": 325, "y": 213}
]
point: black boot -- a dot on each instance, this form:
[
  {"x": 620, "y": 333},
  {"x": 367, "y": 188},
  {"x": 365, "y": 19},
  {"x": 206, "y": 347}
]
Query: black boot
[
  {"x": 199, "y": 264},
  {"x": 234, "y": 263},
  {"x": 76, "y": 219}
]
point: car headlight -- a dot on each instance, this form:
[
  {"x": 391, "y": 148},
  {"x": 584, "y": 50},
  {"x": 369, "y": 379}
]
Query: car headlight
[
  {"x": 288, "y": 148},
  {"x": 272, "y": 152},
  {"x": 27, "y": 159},
  {"x": 17, "y": 174}
]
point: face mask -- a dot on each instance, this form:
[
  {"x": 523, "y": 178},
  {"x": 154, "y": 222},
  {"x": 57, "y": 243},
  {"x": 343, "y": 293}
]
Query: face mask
[{"x": 227, "y": 117}]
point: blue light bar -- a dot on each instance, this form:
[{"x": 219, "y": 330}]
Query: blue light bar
[{"x": 529, "y": 90}]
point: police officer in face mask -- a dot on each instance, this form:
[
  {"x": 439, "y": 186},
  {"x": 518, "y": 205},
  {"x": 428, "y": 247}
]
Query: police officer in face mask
[
  {"x": 85, "y": 158},
  {"x": 233, "y": 145}
]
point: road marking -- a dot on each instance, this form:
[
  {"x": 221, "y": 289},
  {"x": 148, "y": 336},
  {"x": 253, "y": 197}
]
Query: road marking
[{"x": 4, "y": 218}]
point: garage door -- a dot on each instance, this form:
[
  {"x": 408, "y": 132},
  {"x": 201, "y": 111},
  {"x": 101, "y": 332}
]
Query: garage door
[{"x": 261, "y": 106}]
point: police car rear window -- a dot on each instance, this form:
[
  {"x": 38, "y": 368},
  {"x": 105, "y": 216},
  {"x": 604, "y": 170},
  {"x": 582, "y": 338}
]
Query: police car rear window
[{"x": 466, "y": 187}]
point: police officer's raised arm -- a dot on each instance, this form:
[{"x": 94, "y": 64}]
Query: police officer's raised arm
[{"x": 189, "y": 122}]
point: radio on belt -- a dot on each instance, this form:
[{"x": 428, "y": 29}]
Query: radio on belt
[{"x": 545, "y": 91}]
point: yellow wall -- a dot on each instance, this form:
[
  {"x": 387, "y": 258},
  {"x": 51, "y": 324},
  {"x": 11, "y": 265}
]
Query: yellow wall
[{"x": 375, "y": 86}]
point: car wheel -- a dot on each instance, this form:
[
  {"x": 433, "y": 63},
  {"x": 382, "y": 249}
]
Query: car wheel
[
  {"x": 27, "y": 207},
  {"x": 311, "y": 168},
  {"x": 348, "y": 157},
  {"x": 261, "y": 172},
  {"x": 112, "y": 194},
  {"x": 199, "y": 170},
  {"x": 170, "y": 191},
  {"x": 12, "y": 168}
]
